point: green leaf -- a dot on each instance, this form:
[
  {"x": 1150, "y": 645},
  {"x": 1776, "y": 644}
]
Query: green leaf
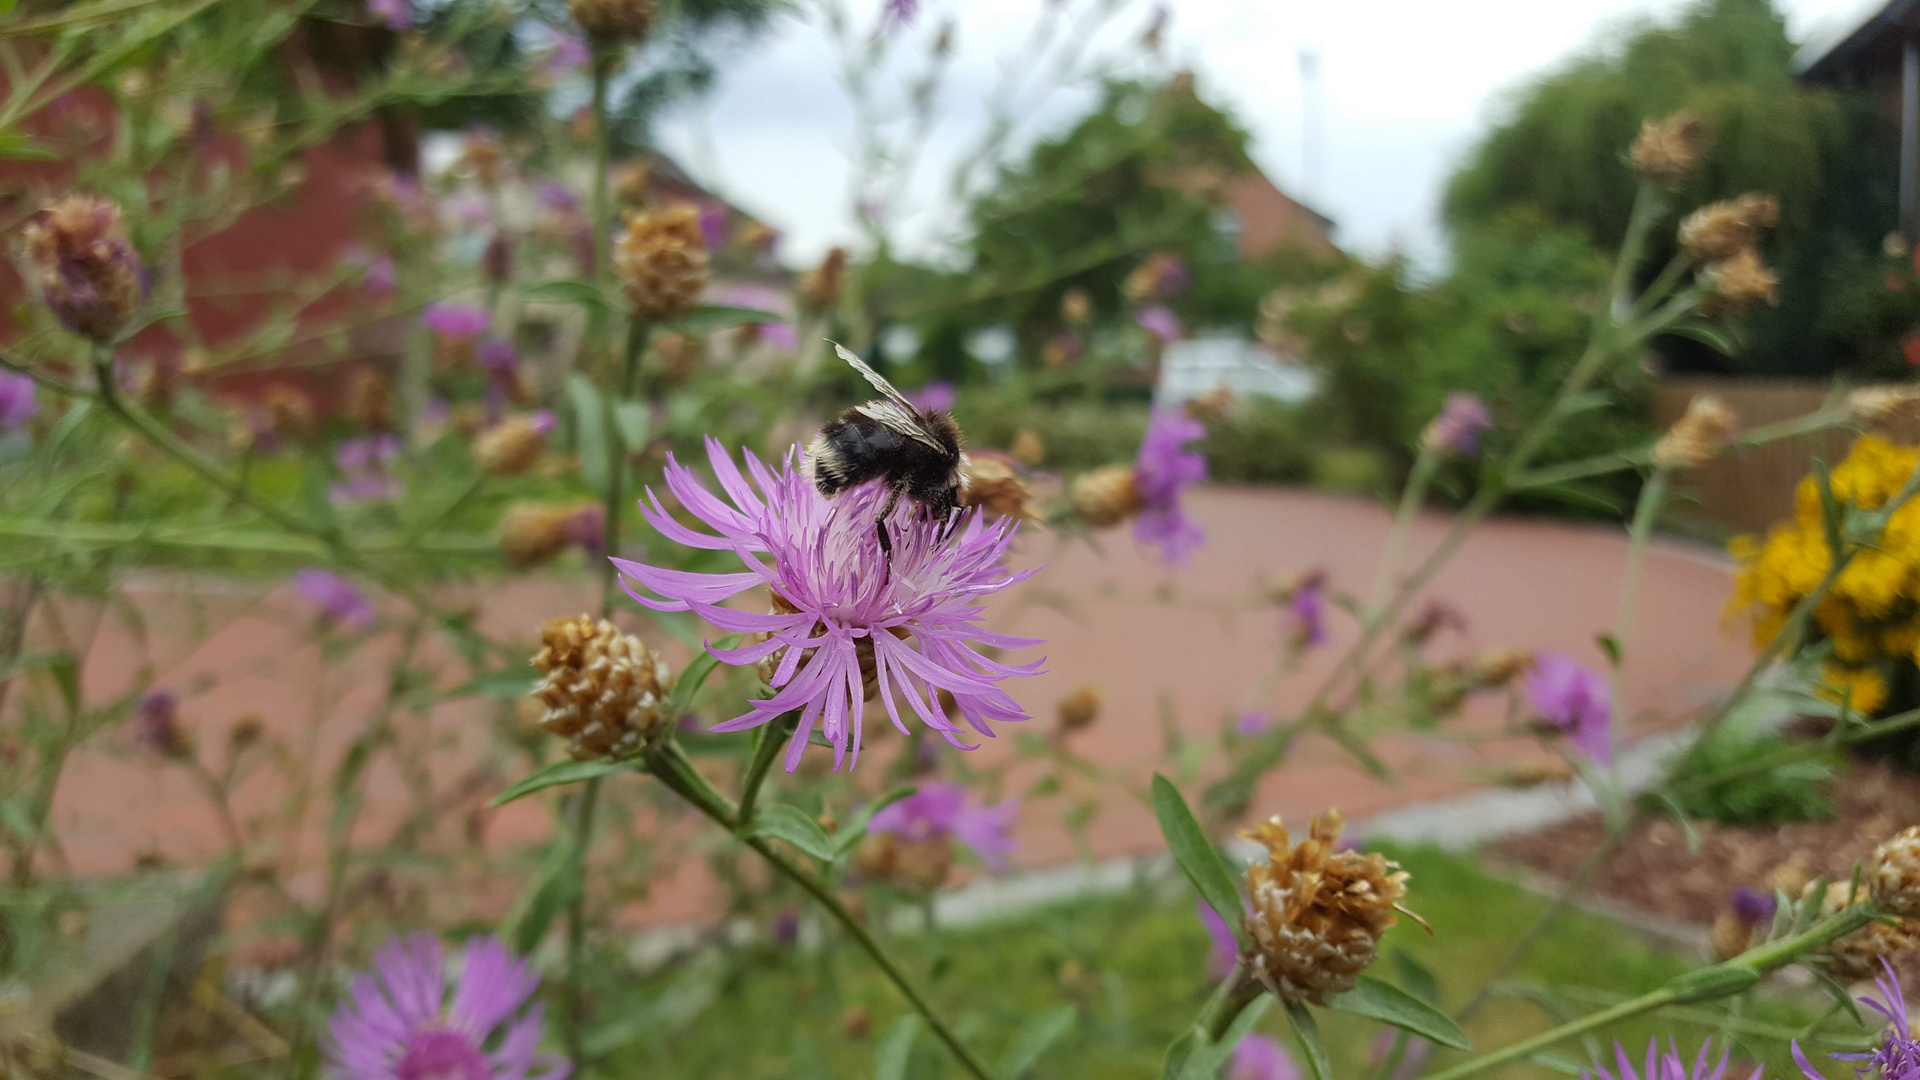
[
  {"x": 1306, "y": 1034},
  {"x": 890, "y": 1061},
  {"x": 1578, "y": 495},
  {"x": 713, "y": 317},
  {"x": 18, "y": 145},
  {"x": 1720, "y": 339},
  {"x": 570, "y": 291},
  {"x": 1197, "y": 856},
  {"x": 509, "y": 683},
  {"x": 796, "y": 827},
  {"x": 1033, "y": 1039},
  {"x": 560, "y": 772},
  {"x": 550, "y": 891},
  {"x": 693, "y": 676},
  {"x": 633, "y": 421},
  {"x": 1389, "y": 1004},
  {"x": 856, "y": 827},
  {"x": 316, "y": 496},
  {"x": 590, "y": 427},
  {"x": 1609, "y": 645},
  {"x": 1187, "y": 1057},
  {"x": 1417, "y": 978}
]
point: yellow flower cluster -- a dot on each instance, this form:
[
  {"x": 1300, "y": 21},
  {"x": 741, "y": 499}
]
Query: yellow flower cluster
[{"x": 1872, "y": 614}]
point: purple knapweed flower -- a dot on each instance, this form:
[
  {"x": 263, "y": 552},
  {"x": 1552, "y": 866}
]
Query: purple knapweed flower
[
  {"x": 17, "y": 400},
  {"x": 1159, "y": 321},
  {"x": 843, "y": 610},
  {"x": 396, "y": 14},
  {"x": 1412, "y": 1060},
  {"x": 77, "y": 255},
  {"x": 713, "y": 224},
  {"x": 786, "y": 927},
  {"x": 1162, "y": 472},
  {"x": 363, "y": 463},
  {"x": 339, "y": 599},
  {"x": 1307, "y": 612},
  {"x": 1223, "y": 952},
  {"x": 381, "y": 279},
  {"x": 1457, "y": 430},
  {"x": 938, "y": 395},
  {"x": 1251, "y": 723},
  {"x": 557, "y": 197},
  {"x": 1261, "y": 1057},
  {"x": 156, "y": 724},
  {"x": 499, "y": 358},
  {"x": 1898, "y": 1055},
  {"x": 1667, "y": 1066},
  {"x": 399, "y": 1023},
  {"x": 569, "y": 53},
  {"x": 1572, "y": 699},
  {"x": 457, "y": 320},
  {"x": 941, "y": 810},
  {"x": 1752, "y": 905},
  {"x": 898, "y": 14}
]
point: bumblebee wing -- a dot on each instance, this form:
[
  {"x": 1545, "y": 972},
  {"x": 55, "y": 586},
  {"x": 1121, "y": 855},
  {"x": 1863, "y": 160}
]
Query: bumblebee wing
[
  {"x": 899, "y": 418},
  {"x": 878, "y": 380}
]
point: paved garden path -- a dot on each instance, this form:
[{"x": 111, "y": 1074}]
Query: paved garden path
[{"x": 1187, "y": 643}]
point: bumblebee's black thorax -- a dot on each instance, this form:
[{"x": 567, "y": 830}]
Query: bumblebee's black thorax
[{"x": 856, "y": 448}]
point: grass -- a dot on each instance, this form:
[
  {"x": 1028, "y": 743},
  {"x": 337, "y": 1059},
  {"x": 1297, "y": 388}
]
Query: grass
[{"x": 1132, "y": 966}]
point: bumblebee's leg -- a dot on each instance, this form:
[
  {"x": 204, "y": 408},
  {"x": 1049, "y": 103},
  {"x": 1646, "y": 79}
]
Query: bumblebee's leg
[{"x": 880, "y": 523}]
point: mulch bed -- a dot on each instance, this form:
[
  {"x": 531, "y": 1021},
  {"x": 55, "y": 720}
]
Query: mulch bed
[{"x": 1655, "y": 870}]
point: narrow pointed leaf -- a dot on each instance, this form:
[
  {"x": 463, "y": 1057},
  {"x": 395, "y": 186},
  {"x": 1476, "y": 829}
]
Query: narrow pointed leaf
[
  {"x": 556, "y": 774},
  {"x": 890, "y": 1061},
  {"x": 718, "y": 317},
  {"x": 1389, "y": 1004},
  {"x": 796, "y": 827},
  {"x": 590, "y": 427},
  {"x": 855, "y": 829},
  {"x": 1197, "y": 856},
  {"x": 1306, "y": 1034},
  {"x": 693, "y": 676},
  {"x": 1033, "y": 1039}
]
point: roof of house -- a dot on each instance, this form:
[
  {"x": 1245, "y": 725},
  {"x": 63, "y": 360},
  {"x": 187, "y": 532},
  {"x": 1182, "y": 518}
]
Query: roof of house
[{"x": 1868, "y": 42}]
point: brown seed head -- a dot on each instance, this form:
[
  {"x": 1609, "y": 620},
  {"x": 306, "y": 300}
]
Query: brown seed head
[
  {"x": 369, "y": 400},
  {"x": 1317, "y": 914},
  {"x": 1081, "y": 708},
  {"x": 1731, "y": 936},
  {"x": 1106, "y": 496},
  {"x": 1709, "y": 425},
  {"x": 857, "y": 1022},
  {"x": 632, "y": 181},
  {"x": 1076, "y": 307},
  {"x": 613, "y": 22},
  {"x": 1027, "y": 448},
  {"x": 662, "y": 261},
  {"x": 1893, "y": 874},
  {"x": 1213, "y": 405},
  {"x": 1722, "y": 230},
  {"x": 533, "y": 533},
  {"x": 1739, "y": 281},
  {"x": 1857, "y": 956},
  {"x": 994, "y": 484},
  {"x": 604, "y": 690},
  {"x": 820, "y": 286},
  {"x": 289, "y": 412},
  {"x": 1669, "y": 150},
  {"x": 77, "y": 254},
  {"x": 480, "y": 156},
  {"x": 1881, "y": 406},
  {"x": 1498, "y": 667},
  {"x": 513, "y": 445}
]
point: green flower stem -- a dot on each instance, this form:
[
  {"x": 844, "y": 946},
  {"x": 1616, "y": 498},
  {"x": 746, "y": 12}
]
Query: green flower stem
[
  {"x": 1411, "y": 499},
  {"x": 1653, "y": 496},
  {"x": 1235, "y": 993},
  {"x": 669, "y": 763},
  {"x": 1699, "y": 985},
  {"x": 576, "y": 991},
  {"x": 604, "y": 58},
  {"x": 638, "y": 331},
  {"x": 772, "y": 737},
  {"x": 1813, "y": 423}
]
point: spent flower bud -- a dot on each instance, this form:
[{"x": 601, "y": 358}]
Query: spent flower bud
[
  {"x": 1893, "y": 874},
  {"x": 820, "y": 286},
  {"x": 991, "y": 482},
  {"x": 605, "y": 691},
  {"x": 613, "y": 21},
  {"x": 1317, "y": 913},
  {"x": 1722, "y": 230},
  {"x": 1857, "y": 955},
  {"x": 76, "y": 253},
  {"x": 1081, "y": 708},
  {"x": 1738, "y": 281},
  {"x": 1669, "y": 150},
  {"x": 1106, "y": 496},
  {"x": 1708, "y": 426},
  {"x": 662, "y": 260},
  {"x": 514, "y": 445},
  {"x": 1880, "y": 406}
]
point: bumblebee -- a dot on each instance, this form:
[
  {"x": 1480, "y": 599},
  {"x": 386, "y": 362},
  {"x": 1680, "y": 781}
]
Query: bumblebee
[{"x": 915, "y": 452}]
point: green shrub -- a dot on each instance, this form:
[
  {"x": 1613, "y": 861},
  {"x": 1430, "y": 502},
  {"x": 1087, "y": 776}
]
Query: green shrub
[
  {"x": 1759, "y": 794},
  {"x": 1261, "y": 441}
]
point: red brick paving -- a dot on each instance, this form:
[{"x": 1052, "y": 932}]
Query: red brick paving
[{"x": 1196, "y": 638}]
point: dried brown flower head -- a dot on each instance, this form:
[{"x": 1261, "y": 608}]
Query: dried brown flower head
[
  {"x": 820, "y": 286},
  {"x": 289, "y": 412},
  {"x": 1732, "y": 935},
  {"x": 1738, "y": 281},
  {"x": 1722, "y": 230},
  {"x": 632, "y": 181},
  {"x": 1893, "y": 874},
  {"x": 605, "y": 691},
  {"x": 662, "y": 261},
  {"x": 1669, "y": 150},
  {"x": 680, "y": 357},
  {"x": 1317, "y": 913},
  {"x": 77, "y": 255},
  {"x": 369, "y": 400},
  {"x": 1106, "y": 496},
  {"x": 1498, "y": 667},
  {"x": 1213, "y": 405},
  {"x": 920, "y": 866},
  {"x": 1081, "y": 708},
  {"x": 613, "y": 21},
  {"x": 480, "y": 157},
  {"x": 1027, "y": 448},
  {"x": 1709, "y": 425},
  {"x": 1881, "y": 406},
  {"x": 533, "y": 533},
  {"x": 1076, "y": 306},
  {"x": 1857, "y": 955},
  {"x": 513, "y": 445},
  {"x": 993, "y": 484}
]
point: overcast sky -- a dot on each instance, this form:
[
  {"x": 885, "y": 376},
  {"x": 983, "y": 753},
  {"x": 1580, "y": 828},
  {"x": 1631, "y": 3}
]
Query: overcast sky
[{"x": 1404, "y": 90}]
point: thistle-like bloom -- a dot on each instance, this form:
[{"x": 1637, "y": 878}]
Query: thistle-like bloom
[
  {"x": 399, "y": 1023},
  {"x": 1574, "y": 700},
  {"x": 1670, "y": 149},
  {"x": 396, "y": 14},
  {"x": 514, "y": 445},
  {"x": 1163, "y": 471},
  {"x": 156, "y": 724},
  {"x": 1738, "y": 282},
  {"x": 1898, "y": 1055},
  {"x": 1159, "y": 321},
  {"x": 1307, "y": 611},
  {"x": 1859, "y": 955},
  {"x": 1724, "y": 229},
  {"x": 1317, "y": 911},
  {"x": 940, "y": 810},
  {"x": 1709, "y": 425},
  {"x": 1261, "y": 1057},
  {"x": 1080, "y": 709},
  {"x": 339, "y": 599},
  {"x": 994, "y": 484},
  {"x": 1458, "y": 427},
  {"x": 661, "y": 258},
  {"x": 76, "y": 253},
  {"x": 605, "y": 691},
  {"x": 1667, "y": 1066},
  {"x": 842, "y": 614},
  {"x": 17, "y": 404},
  {"x": 1879, "y": 406},
  {"x": 457, "y": 321},
  {"x": 364, "y": 462},
  {"x": 1249, "y": 724}
]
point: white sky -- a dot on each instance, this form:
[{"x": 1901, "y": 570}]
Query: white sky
[{"x": 1406, "y": 88}]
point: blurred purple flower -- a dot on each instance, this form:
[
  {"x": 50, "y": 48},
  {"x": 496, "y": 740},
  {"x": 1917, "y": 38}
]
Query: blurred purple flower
[
  {"x": 941, "y": 810},
  {"x": 587, "y": 527},
  {"x": 1752, "y": 905},
  {"x": 364, "y": 462},
  {"x": 470, "y": 208},
  {"x": 499, "y": 358},
  {"x": 786, "y": 927},
  {"x": 1898, "y": 1055},
  {"x": 396, "y": 14},
  {"x": 1667, "y": 1066},
  {"x": 156, "y": 724},
  {"x": 783, "y": 336},
  {"x": 1574, "y": 700},
  {"x": 1162, "y": 472},
  {"x": 1223, "y": 952},
  {"x": 938, "y": 395},
  {"x": 1457, "y": 430},
  {"x": 827, "y": 565},
  {"x": 1412, "y": 1061},
  {"x": 898, "y": 14},
  {"x": 569, "y": 53},
  {"x": 456, "y": 320},
  {"x": 1261, "y": 1057},
  {"x": 397, "y": 1022},
  {"x": 339, "y": 599},
  {"x": 17, "y": 401},
  {"x": 713, "y": 224},
  {"x": 556, "y": 196},
  {"x": 1162, "y": 323},
  {"x": 1251, "y": 723},
  {"x": 1307, "y": 611},
  {"x": 381, "y": 277}
]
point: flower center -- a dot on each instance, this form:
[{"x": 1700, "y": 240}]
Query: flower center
[{"x": 442, "y": 1055}]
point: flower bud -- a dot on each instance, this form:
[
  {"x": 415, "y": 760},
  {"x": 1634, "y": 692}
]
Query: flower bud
[
  {"x": 1027, "y": 448},
  {"x": 1707, "y": 426},
  {"x": 480, "y": 155},
  {"x": 1106, "y": 496},
  {"x": 820, "y": 286},
  {"x": 1458, "y": 426},
  {"x": 661, "y": 259},
  {"x": 1669, "y": 150},
  {"x": 533, "y": 533},
  {"x": 1857, "y": 955},
  {"x": 1076, "y": 307},
  {"x": 513, "y": 445},
  {"x": 992, "y": 483},
  {"x": 1739, "y": 281},
  {"x": 289, "y": 412},
  {"x": 1317, "y": 913},
  {"x": 604, "y": 690},
  {"x": 496, "y": 262},
  {"x": 369, "y": 400},
  {"x": 1722, "y": 230},
  {"x": 157, "y": 725},
  {"x": 1080, "y": 709},
  {"x": 76, "y": 253},
  {"x": 1893, "y": 874},
  {"x": 613, "y": 21},
  {"x": 1881, "y": 406}
]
